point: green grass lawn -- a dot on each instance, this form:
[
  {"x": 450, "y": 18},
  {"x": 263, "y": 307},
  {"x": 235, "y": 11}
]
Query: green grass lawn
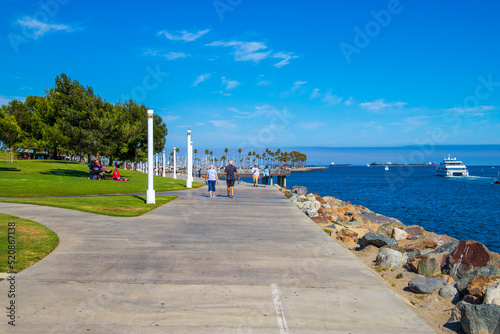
[
  {"x": 34, "y": 178},
  {"x": 27, "y": 178},
  {"x": 30, "y": 243},
  {"x": 119, "y": 206}
]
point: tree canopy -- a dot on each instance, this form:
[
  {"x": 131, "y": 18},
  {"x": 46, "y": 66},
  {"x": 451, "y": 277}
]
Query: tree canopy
[{"x": 70, "y": 118}]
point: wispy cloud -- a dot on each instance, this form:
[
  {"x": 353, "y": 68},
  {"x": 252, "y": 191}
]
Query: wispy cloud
[
  {"x": 253, "y": 51},
  {"x": 241, "y": 114},
  {"x": 245, "y": 51},
  {"x": 315, "y": 93},
  {"x": 475, "y": 111},
  {"x": 286, "y": 56},
  {"x": 328, "y": 98},
  {"x": 230, "y": 84},
  {"x": 411, "y": 123},
  {"x": 183, "y": 35},
  {"x": 225, "y": 124},
  {"x": 201, "y": 78},
  {"x": 297, "y": 85},
  {"x": 222, "y": 93},
  {"x": 169, "y": 55},
  {"x": 349, "y": 101},
  {"x": 41, "y": 28},
  {"x": 331, "y": 99},
  {"x": 379, "y": 104},
  {"x": 264, "y": 83}
]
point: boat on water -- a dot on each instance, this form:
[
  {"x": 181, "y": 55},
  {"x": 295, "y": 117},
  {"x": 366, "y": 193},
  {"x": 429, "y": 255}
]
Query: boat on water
[
  {"x": 333, "y": 164},
  {"x": 433, "y": 164},
  {"x": 386, "y": 167},
  {"x": 451, "y": 167}
]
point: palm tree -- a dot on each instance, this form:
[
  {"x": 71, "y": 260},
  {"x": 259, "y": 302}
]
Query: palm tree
[
  {"x": 195, "y": 151},
  {"x": 212, "y": 154},
  {"x": 223, "y": 158},
  {"x": 239, "y": 155}
]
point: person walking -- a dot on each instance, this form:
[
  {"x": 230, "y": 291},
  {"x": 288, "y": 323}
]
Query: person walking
[
  {"x": 231, "y": 173},
  {"x": 265, "y": 178},
  {"x": 255, "y": 174},
  {"x": 211, "y": 178}
]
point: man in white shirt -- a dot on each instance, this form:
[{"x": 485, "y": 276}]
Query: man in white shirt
[{"x": 255, "y": 174}]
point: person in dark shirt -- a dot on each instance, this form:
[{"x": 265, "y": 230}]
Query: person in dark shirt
[{"x": 231, "y": 173}]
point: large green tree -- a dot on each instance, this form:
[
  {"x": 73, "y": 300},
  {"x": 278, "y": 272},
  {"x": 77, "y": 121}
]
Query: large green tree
[{"x": 11, "y": 132}]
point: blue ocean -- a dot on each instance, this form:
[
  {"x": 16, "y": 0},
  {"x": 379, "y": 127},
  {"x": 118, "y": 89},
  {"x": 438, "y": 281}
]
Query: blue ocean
[{"x": 466, "y": 208}]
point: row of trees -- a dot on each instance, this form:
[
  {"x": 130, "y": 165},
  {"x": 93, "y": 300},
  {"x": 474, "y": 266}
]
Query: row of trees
[
  {"x": 295, "y": 158},
  {"x": 72, "y": 119}
]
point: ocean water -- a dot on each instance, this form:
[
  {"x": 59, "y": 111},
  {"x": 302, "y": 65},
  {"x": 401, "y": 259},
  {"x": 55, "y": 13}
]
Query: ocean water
[{"x": 466, "y": 208}]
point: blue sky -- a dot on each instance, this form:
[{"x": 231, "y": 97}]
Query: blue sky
[{"x": 268, "y": 74}]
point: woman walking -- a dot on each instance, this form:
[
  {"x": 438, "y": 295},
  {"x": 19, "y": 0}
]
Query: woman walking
[{"x": 211, "y": 178}]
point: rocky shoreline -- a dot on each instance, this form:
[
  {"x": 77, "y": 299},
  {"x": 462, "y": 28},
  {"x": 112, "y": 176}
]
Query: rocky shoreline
[{"x": 454, "y": 283}]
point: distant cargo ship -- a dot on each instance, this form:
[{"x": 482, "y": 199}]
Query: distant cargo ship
[{"x": 333, "y": 164}]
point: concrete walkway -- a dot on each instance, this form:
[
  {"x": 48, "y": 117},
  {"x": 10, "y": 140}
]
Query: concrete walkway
[{"x": 252, "y": 264}]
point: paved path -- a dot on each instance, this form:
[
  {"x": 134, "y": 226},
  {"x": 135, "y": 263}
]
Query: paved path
[{"x": 252, "y": 264}]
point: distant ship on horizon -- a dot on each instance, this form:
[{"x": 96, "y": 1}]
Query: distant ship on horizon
[{"x": 333, "y": 164}]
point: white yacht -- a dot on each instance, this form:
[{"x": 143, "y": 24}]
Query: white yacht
[{"x": 451, "y": 167}]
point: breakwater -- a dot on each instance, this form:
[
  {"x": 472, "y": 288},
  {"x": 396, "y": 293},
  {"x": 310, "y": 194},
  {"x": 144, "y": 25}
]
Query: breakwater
[{"x": 463, "y": 276}]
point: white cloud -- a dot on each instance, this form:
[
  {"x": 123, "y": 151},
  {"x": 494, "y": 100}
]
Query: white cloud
[
  {"x": 201, "y": 78},
  {"x": 200, "y": 123},
  {"x": 42, "y": 28},
  {"x": 297, "y": 85},
  {"x": 174, "y": 55},
  {"x": 225, "y": 124},
  {"x": 243, "y": 114},
  {"x": 349, "y": 101},
  {"x": 380, "y": 104},
  {"x": 230, "y": 84},
  {"x": 310, "y": 125},
  {"x": 264, "y": 83},
  {"x": 183, "y": 35},
  {"x": 222, "y": 93},
  {"x": 169, "y": 55},
  {"x": 253, "y": 51},
  {"x": 475, "y": 111},
  {"x": 315, "y": 93},
  {"x": 245, "y": 51},
  {"x": 285, "y": 56},
  {"x": 330, "y": 99}
]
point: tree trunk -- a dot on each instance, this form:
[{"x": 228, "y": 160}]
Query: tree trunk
[
  {"x": 135, "y": 158},
  {"x": 111, "y": 161},
  {"x": 82, "y": 157}
]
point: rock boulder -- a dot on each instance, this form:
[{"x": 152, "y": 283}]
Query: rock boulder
[
  {"x": 375, "y": 239},
  {"x": 481, "y": 319},
  {"x": 469, "y": 256},
  {"x": 299, "y": 190},
  {"x": 427, "y": 285}
]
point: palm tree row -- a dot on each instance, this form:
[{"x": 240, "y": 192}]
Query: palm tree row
[{"x": 272, "y": 158}]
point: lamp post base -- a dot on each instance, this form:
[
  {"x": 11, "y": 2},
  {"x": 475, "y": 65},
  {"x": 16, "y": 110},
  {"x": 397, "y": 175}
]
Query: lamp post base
[{"x": 150, "y": 197}]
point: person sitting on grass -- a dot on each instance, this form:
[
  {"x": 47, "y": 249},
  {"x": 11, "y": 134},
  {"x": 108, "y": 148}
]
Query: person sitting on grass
[{"x": 117, "y": 176}]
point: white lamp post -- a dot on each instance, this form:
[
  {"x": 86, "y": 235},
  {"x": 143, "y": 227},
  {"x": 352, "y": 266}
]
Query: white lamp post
[
  {"x": 163, "y": 163},
  {"x": 175, "y": 166},
  {"x": 150, "y": 194},
  {"x": 189, "y": 179}
]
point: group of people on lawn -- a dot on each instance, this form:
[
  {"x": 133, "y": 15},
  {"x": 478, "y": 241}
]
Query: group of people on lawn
[
  {"x": 231, "y": 173},
  {"x": 96, "y": 165}
]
